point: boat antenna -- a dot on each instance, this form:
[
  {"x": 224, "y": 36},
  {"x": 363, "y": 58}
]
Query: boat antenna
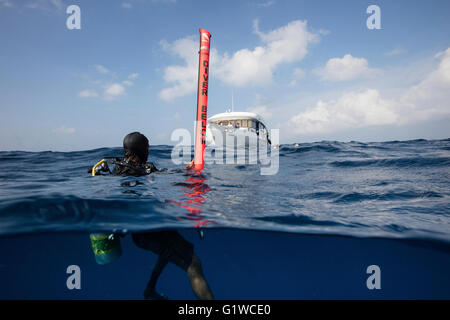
[{"x": 232, "y": 100}]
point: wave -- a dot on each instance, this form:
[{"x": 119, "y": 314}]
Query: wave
[
  {"x": 399, "y": 162},
  {"x": 389, "y": 196},
  {"x": 292, "y": 149}
]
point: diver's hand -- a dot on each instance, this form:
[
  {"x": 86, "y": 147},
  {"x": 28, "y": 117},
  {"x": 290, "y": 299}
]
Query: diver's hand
[{"x": 190, "y": 165}]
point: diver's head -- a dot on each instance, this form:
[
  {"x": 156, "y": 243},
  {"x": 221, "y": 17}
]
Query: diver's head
[{"x": 135, "y": 147}]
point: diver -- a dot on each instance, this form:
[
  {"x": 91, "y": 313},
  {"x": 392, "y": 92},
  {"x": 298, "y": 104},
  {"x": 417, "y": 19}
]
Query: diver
[{"x": 169, "y": 245}]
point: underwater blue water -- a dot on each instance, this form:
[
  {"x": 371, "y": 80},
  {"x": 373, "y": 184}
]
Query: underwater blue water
[{"x": 332, "y": 209}]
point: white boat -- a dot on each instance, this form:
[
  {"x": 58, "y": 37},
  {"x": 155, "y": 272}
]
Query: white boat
[{"x": 232, "y": 129}]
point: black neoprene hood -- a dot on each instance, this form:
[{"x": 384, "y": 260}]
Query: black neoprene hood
[{"x": 136, "y": 143}]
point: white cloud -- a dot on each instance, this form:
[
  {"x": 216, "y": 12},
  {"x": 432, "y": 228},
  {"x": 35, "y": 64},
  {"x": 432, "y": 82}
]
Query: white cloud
[
  {"x": 245, "y": 67},
  {"x": 112, "y": 88},
  {"x": 126, "y": 5},
  {"x": 183, "y": 78},
  {"x": 266, "y": 3},
  {"x": 298, "y": 74},
  {"x": 346, "y": 68},
  {"x": 102, "y": 69},
  {"x": 133, "y": 75},
  {"x": 57, "y": 3},
  {"x": 6, "y": 3},
  {"x": 431, "y": 97},
  {"x": 113, "y": 91},
  {"x": 263, "y": 106},
  {"x": 439, "y": 54},
  {"x": 255, "y": 67},
  {"x": 395, "y": 52},
  {"x": 63, "y": 130},
  {"x": 88, "y": 94},
  {"x": 351, "y": 110},
  {"x": 428, "y": 99},
  {"x": 45, "y": 4},
  {"x": 324, "y": 32}
]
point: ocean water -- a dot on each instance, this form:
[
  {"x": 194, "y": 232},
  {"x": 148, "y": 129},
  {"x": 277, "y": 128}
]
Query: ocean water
[{"x": 309, "y": 231}]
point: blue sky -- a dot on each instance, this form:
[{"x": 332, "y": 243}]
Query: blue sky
[{"x": 312, "y": 68}]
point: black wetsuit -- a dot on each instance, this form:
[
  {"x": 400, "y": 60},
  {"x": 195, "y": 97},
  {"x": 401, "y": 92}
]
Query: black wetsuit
[
  {"x": 168, "y": 244},
  {"x": 127, "y": 168}
]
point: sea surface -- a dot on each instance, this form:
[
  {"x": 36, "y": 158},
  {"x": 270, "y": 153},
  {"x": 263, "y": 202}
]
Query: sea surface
[{"x": 308, "y": 231}]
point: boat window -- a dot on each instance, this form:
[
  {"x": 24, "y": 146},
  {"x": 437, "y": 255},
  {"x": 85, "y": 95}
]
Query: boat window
[{"x": 240, "y": 123}]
